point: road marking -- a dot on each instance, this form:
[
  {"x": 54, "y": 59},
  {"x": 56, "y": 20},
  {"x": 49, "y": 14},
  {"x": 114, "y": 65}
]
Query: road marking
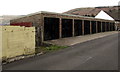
[{"x": 87, "y": 59}]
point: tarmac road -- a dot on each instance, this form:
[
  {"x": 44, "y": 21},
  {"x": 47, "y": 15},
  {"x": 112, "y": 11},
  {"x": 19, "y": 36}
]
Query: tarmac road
[{"x": 98, "y": 54}]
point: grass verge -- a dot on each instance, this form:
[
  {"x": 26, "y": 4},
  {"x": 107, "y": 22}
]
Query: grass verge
[{"x": 49, "y": 48}]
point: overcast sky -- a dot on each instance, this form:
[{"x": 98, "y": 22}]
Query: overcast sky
[{"x": 23, "y": 7}]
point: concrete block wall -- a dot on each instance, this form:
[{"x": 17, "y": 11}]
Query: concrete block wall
[
  {"x": 34, "y": 19},
  {"x": 36, "y": 22},
  {"x": 17, "y": 41}
]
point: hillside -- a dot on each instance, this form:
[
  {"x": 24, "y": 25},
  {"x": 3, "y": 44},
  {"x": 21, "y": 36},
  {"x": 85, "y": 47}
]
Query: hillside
[
  {"x": 5, "y": 19},
  {"x": 92, "y": 12}
]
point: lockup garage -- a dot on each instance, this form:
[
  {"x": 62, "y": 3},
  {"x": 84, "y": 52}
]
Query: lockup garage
[{"x": 51, "y": 25}]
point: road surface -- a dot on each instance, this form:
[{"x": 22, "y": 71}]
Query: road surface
[{"x": 98, "y": 54}]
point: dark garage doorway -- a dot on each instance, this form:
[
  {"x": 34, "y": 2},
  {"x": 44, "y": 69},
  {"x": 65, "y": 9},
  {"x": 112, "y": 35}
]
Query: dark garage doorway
[
  {"x": 99, "y": 26},
  {"x": 51, "y": 28},
  {"x": 93, "y": 26},
  {"x": 103, "y": 26},
  {"x": 111, "y": 26},
  {"x": 107, "y": 26},
  {"x": 66, "y": 28},
  {"x": 86, "y": 27},
  {"x": 77, "y": 27}
]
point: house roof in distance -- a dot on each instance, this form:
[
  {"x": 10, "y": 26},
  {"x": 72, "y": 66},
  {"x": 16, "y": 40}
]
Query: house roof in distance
[
  {"x": 103, "y": 15},
  {"x": 93, "y": 11}
]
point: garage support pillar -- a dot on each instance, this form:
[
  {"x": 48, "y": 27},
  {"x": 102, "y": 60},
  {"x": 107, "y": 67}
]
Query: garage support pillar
[
  {"x": 90, "y": 27},
  {"x": 73, "y": 28},
  {"x": 82, "y": 27},
  {"x": 42, "y": 30},
  {"x": 60, "y": 28}
]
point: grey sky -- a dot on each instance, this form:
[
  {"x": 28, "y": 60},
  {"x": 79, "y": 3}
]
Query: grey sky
[{"x": 23, "y": 7}]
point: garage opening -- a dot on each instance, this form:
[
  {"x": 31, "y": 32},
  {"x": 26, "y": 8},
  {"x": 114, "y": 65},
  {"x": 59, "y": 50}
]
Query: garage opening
[
  {"x": 107, "y": 26},
  {"x": 103, "y": 26},
  {"x": 113, "y": 26},
  {"x": 99, "y": 26},
  {"x": 77, "y": 27},
  {"x": 66, "y": 28},
  {"x": 93, "y": 26},
  {"x": 110, "y": 26},
  {"x": 51, "y": 28},
  {"x": 86, "y": 27}
]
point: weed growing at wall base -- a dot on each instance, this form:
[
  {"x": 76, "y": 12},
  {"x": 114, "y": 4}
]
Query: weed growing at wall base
[{"x": 49, "y": 48}]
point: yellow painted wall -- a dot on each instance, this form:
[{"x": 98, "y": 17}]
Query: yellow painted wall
[
  {"x": 17, "y": 41},
  {"x": 29, "y": 40}
]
